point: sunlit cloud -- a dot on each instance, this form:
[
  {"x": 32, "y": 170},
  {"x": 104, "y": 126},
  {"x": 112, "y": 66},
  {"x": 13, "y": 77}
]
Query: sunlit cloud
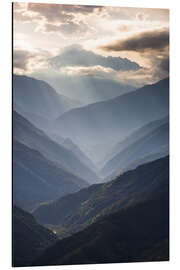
[
  {"x": 135, "y": 14},
  {"x": 123, "y": 44},
  {"x": 27, "y": 61},
  {"x": 75, "y": 55}
]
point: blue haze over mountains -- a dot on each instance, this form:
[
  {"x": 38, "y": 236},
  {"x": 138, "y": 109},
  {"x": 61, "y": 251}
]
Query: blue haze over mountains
[{"x": 89, "y": 161}]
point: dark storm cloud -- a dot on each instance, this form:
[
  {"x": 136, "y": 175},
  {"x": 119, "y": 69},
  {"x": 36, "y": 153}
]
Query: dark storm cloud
[
  {"x": 142, "y": 42},
  {"x": 77, "y": 56},
  {"x": 21, "y": 59},
  {"x": 164, "y": 65}
]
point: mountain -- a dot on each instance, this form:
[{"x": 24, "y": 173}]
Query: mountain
[
  {"x": 88, "y": 89},
  {"x": 78, "y": 210},
  {"x": 112, "y": 120},
  {"x": 144, "y": 146},
  {"x": 156, "y": 154},
  {"x": 98, "y": 152},
  {"x": 38, "y": 101},
  {"x": 133, "y": 137},
  {"x": 29, "y": 238},
  {"x": 68, "y": 144},
  {"x": 77, "y": 151},
  {"x": 138, "y": 233},
  {"x": 36, "y": 179},
  {"x": 26, "y": 133}
]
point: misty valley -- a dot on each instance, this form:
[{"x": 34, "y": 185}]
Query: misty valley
[{"x": 90, "y": 177}]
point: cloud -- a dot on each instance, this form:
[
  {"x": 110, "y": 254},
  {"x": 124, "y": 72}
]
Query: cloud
[
  {"x": 21, "y": 59},
  {"x": 69, "y": 28},
  {"x": 51, "y": 12},
  {"x": 56, "y": 18},
  {"x": 134, "y": 14},
  {"x": 76, "y": 56},
  {"x": 61, "y": 13},
  {"x": 26, "y": 61},
  {"x": 146, "y": 41},
  {"x": 164, "y": 64},
  {"x": 153, "y": 46},
  {"x": 126, "y": 28},
  {"x": 93, "y": 71}
]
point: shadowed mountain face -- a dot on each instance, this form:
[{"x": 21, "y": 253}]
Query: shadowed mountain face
[
  {"x": 137, "y": 233},
  {"x": 36, "y": 179},
  {"x": 112, "y": 120},
  {"x": 29, "y": 238},
  {"x": 26, "y": 133},
  {"x": 38, "y": 101},
  {"x": 140, "y": 146},
  {"x": 78, "y": 210}
]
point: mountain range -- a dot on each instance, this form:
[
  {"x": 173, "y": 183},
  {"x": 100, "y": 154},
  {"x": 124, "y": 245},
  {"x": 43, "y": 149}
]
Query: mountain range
[
  {"x": 38, "y": 101},
  {"x": 26, "y": 133},
  {"x": 37, "y": 179},
  {"x": 80, "y": 209},
  {"x": 67, "y": 143},
  {"x": 112, "y": 120},
  {"x": 151, "y": 138},
  {"x": 135, "y": 234},
  {"x": 88, "y": 89},
  {"x": 90, "y": 177}
]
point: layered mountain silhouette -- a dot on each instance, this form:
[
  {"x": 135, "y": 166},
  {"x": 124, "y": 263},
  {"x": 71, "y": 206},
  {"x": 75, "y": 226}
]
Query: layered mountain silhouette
[
  {"x": 134, "y": 136},
  {"x": 150, "y": 140},
  {"x": 94, "y": 177},
  {"x": 89, "y": 89},
  {"x": 67, "y": 143},
  {"x": 78, "y": 210},
  {"x": 29, "y": 238},
  {"x": 37, "y": 179},
  {"x": 26, "y": 133},
  {"x": 38, "y": 101},
  {"x": 113, "y": 120},
  {"x": 137, "y": 233}
]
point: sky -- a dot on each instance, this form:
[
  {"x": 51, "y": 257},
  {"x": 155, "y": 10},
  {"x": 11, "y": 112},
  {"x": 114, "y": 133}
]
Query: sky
[{"x": 126, "y": 45}]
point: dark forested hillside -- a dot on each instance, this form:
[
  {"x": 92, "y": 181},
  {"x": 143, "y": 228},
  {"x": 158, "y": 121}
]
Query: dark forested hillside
[
  {"x": 29, "y": 238},
  {"x": 78, "y": 210},
  {"x": 137, "y": 233}
]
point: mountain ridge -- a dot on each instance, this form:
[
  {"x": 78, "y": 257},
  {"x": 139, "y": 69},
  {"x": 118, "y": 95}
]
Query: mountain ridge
[
  {"x": 36, "y": 179},
  {"x": 138, "y": 233},
  {"x": 29, "y": 238},
  {"x": 35, "y": 138},
  {"x": 80, "y": 209},
  {"x": 100, "y": 121}
]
